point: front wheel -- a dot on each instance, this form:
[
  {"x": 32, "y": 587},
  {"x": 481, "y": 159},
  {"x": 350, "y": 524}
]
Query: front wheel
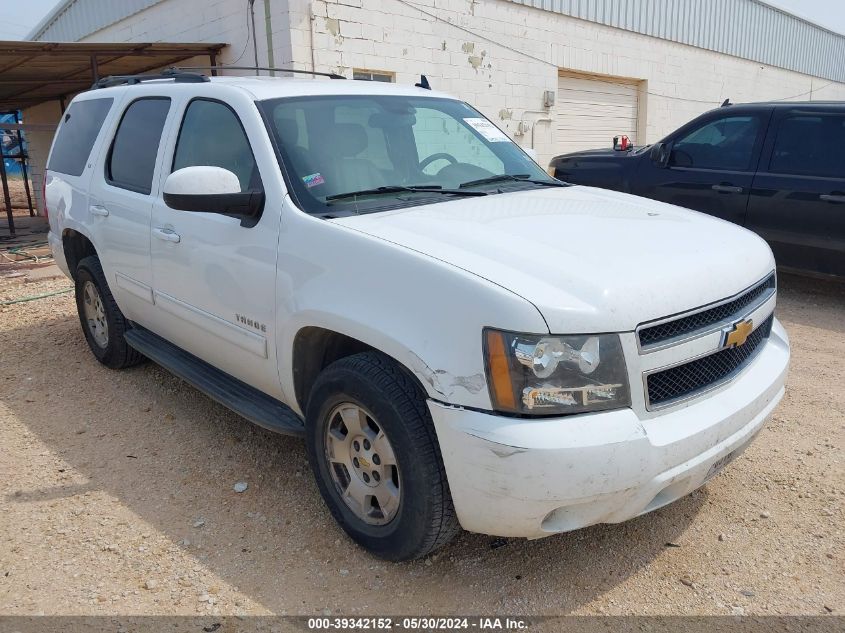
[{"x": 374, "y": 453}]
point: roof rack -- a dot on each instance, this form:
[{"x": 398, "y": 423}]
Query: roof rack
[
  {"x": 176, "y": 75},
  {"x": 265, "y": 68}
]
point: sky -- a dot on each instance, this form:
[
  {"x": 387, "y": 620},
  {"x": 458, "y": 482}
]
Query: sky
[{"x": 17, "y": 18}]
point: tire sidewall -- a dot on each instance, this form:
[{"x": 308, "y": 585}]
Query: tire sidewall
[
  {"x": 397, "y": 539},
  {"x": 86, "y": 273}
]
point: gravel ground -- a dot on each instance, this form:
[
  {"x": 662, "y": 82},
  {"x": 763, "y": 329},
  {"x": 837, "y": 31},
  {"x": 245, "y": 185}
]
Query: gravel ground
[{"x": 117, "y": 498}]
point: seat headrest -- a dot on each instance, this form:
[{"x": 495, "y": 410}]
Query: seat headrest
[
  {"x": 288, "y": 130},
  {"x": 349, "y": 139}
]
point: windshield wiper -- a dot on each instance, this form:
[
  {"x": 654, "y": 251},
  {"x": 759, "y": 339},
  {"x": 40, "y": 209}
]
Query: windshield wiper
[
  {"x": 402, "y": 188},
  {"x": 511, "y": 178}
]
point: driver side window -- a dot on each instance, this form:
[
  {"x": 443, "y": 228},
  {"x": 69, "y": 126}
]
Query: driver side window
[
  {"x": 436, "y": 132},
  {"x": 211, "y": 134},
  {"x": 726, "y": 143}
]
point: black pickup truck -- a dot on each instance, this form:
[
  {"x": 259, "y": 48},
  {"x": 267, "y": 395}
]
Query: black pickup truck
[{"x": 776, "y": 168}]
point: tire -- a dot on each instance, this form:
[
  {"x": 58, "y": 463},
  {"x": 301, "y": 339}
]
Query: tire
[
  {"x": 106, "y": 343},
  {"x": 424, "y": 518}
]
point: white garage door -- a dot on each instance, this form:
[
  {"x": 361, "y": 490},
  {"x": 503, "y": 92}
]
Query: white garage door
[{"x": 590, "y": 111}]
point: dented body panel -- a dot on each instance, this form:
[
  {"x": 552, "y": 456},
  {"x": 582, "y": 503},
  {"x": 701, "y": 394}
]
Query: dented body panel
[
  {"x": 423, "y": 312},
  {"x": 532, "y": 478}
]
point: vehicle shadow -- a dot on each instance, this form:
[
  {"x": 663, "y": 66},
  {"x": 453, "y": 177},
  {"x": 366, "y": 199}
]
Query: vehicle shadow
[
  {"x": 812, "y": 302},
  {"x": 170, "y": 456}
]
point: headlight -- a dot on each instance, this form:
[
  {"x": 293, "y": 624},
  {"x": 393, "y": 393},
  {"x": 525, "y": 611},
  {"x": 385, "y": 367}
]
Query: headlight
[{"x": 553, "y": 375}]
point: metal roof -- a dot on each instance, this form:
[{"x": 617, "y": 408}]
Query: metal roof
[
  {"x": 749, "y": 29},
  {"x": 34, "y": 72},
  {"x": 71, "y": 20}
]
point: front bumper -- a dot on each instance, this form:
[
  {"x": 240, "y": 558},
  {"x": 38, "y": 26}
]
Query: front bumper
[{"x": 533, "y": 478}]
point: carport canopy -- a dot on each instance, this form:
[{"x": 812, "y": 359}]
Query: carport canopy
[{"x": 34, "y": 72}]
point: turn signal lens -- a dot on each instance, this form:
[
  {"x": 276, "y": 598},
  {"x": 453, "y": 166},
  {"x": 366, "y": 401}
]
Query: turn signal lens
[{"x": 498, "y": 368}]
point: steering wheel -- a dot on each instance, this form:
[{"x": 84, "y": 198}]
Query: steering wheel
[{"x": 439, "y": 156}]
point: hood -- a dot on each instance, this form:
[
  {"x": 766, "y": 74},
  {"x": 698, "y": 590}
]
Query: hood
[
  {"x": 604, "y": 167},
  {"x": 590, "y": 260},
  {"x": 603, "y": 152},
  {"x": 588, "y": 157}
]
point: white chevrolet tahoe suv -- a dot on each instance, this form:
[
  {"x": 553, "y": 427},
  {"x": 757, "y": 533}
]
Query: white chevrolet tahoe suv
[{"x": 462, "y": 340}]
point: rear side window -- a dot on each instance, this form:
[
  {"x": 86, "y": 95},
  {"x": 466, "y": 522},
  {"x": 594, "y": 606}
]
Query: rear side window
[
  {"x": 212, "y": 135},
  {"x": 132, "y": 158},
  {"x": 80, "y": 126},
  {"x": 810, "y": 145}
]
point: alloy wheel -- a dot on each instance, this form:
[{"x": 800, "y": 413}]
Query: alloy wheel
[
  {"x": 362, "y": 464},
  {"x": 95, "y": 314}
]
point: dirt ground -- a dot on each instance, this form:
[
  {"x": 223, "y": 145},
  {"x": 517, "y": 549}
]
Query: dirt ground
[
  {"x": 117, "y": 498},
  {"x": 17, "y": 194}
]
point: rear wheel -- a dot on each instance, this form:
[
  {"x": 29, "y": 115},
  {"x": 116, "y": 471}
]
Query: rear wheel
[
  {"x": 374, "y": 453},
  {"x": 102, "y": 321}
]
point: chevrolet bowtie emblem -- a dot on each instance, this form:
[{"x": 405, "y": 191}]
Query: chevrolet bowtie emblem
[{"x": 738, "y": 333}]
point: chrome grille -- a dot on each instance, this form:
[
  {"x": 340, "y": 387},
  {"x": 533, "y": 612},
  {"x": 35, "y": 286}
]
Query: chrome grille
[
  {"x": 655, "y": 335},
  {"x": 682, "y": 381}
]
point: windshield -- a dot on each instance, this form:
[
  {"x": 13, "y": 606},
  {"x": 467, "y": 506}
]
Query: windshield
[{"x": 368, "y": 153}]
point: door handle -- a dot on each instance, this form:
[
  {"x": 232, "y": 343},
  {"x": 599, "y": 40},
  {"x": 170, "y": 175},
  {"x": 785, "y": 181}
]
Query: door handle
[
  {"x": 726, "y": 188},
  {"x": 168, "y": 235},
  {"x": 832, "y": 197},
  {"x": 98, "y": 209}
]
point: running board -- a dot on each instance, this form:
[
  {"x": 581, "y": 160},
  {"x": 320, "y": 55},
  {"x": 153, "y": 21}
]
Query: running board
[{"x": 256, "y": 406}]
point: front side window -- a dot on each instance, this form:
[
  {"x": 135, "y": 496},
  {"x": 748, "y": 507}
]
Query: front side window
[
  {"x": 75, "y": 139},
  {"x": 132, "y": 158},
  {"x": 374, "y": 152},
  {"x": 810, "y": 145},
  {"x": 212, "y": 135},
  {"x": 726, "y": 143}
]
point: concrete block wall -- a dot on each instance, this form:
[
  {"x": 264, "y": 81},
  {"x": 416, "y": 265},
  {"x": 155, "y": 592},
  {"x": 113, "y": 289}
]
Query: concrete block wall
[
  {"x": 501, "y": 57},
  {"x": 223, "y": 21}
]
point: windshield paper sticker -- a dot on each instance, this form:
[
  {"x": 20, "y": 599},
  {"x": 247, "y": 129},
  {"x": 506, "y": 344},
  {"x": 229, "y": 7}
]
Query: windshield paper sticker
[
  {"x": 487, "y": 130},
  {"x": 313, "y": 180}
]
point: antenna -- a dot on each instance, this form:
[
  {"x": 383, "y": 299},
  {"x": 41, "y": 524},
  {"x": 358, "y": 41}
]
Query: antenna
[
  {"x": 423, "y": 83},
  {"x": 726, "y": 103}
]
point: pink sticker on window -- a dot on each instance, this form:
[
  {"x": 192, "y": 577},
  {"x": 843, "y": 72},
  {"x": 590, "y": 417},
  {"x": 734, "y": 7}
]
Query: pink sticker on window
[{"x": 313, "y": 180}]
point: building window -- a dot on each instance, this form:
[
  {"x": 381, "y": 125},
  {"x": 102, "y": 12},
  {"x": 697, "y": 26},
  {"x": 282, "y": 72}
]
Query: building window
[{"x": 373, "y": 75}]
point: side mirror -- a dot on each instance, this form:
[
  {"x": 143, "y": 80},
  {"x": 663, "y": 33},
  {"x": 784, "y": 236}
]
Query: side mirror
[
  {"x": 531, "y": 152},
  {"x": 660, "y": 153},
  {"x": 210, "y": 189}
]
